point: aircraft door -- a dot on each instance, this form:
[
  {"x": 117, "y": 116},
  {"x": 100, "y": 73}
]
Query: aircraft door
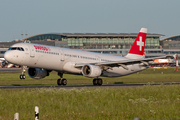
[
  {"x": 98, "y": 59},
  {"x": 61, "y": 55},
  {"x": 32, "y": 51}
]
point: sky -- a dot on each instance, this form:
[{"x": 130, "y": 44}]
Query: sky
[{"x": 33, "y": 17}]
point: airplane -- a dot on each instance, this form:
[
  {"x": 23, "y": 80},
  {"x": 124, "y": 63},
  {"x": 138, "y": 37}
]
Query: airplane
[
  {"x": 2, "y": 59},
  {"x": 42, "y": 59},
  {"x": 3, "y": 62}
]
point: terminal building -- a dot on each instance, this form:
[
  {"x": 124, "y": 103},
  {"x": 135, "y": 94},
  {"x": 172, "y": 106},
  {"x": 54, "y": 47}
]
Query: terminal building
[
  {"x": 171, "y": 45},
  {"x": 108, "y": 43}
]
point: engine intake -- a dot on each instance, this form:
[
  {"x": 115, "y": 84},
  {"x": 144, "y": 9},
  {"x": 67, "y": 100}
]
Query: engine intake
[
  {"x": 91, "y": 71},
  {"x": 37, "y": 73}
]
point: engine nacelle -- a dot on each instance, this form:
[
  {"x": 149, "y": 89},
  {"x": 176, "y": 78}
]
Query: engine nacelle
[
  {"x": 91, "y": 71},
  {"x": 37, "y": 73}
]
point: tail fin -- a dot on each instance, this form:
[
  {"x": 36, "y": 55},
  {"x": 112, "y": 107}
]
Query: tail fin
[{"x": 137, "y": 49}]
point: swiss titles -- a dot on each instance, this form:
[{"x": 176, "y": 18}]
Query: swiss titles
[{"x": 38, "y": 47}]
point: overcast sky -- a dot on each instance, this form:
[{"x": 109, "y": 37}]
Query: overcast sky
[{"x": 87, "y": 16}]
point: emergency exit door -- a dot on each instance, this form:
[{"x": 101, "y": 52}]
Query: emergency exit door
[{"x": 32, "y": 51}]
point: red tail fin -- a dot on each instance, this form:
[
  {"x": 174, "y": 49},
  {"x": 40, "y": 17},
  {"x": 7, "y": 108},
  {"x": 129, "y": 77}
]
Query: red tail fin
[{"x": 137, "y": 49}]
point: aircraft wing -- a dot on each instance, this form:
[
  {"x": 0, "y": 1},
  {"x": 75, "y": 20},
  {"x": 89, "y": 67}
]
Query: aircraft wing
[{"x": 122, "y": 63}]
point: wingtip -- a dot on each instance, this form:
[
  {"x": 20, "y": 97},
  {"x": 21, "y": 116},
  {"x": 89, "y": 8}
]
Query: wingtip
[{"x": 144, "y": 30}]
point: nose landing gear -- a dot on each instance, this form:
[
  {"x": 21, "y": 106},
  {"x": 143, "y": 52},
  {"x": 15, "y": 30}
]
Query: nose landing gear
[{"x": 22, "y": 76}]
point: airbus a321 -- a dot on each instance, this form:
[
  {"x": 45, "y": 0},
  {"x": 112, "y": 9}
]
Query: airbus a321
[{"x": 42, "y": 59}]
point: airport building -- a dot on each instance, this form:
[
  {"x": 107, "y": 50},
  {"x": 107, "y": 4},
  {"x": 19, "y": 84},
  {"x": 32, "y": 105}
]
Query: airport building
[
  {"x": 2, "y": 51},
  {"x": 108, "y": 43},
  {"x": 171, "y": 45}
]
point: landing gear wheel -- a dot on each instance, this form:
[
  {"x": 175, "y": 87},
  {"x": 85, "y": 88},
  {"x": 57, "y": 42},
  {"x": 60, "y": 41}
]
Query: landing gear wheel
[
  {"x": 59, "y": 81},
  {"x": 64, "y": 81},
  {"x": 95, "y": 81},
  {"x": 99, "y": 81},
  {"x": 22, "y": 76}
]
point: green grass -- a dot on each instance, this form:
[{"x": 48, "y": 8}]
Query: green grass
[
  {"x": 149, "y": 75},
  {"x": 148, "y": 102}
]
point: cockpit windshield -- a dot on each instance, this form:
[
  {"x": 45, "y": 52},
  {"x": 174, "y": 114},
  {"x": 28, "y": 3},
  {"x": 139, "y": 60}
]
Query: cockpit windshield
[{"x": 16, "y": 48}]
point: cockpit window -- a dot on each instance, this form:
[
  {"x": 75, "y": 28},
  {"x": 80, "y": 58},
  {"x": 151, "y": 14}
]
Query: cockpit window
[
  {"x": 22, "y": 49},
  {"x": 16, "y": 48}
]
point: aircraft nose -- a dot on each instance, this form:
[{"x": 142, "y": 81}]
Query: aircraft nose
[{"x": 7, "y": 56}]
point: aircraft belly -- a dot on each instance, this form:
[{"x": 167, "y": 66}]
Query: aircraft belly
[
  {"x": 69, "y": 67},
  {"x": 43, "y": 61}
]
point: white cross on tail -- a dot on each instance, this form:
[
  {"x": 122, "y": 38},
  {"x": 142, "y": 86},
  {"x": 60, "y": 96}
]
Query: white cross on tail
[{"x": 140, "y": 43}]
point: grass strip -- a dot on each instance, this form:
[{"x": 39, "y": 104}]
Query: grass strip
[{"x": 148, "y": 102}]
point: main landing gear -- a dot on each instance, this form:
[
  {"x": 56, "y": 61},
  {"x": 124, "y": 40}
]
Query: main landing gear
[
  {"x": 97, "y": 81},
  {"x": 61, "y": 81},
  {"x": 22, "y": 76}
]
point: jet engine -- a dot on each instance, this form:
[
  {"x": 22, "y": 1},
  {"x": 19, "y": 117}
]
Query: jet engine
[
  {"x": 91, "y": 71},
  {"x": 37, "y": 73}
]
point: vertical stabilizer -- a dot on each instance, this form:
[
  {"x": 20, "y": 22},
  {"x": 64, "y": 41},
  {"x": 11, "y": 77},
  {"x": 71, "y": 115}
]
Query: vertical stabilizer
[{"x": 137, "y": 49}]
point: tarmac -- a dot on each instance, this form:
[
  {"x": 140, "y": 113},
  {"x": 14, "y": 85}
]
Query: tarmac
[{"x": 88, "y": 86}]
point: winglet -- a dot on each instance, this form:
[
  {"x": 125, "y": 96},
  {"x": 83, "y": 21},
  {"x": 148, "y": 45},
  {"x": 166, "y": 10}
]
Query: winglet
[{"x": 137, "y": 49}]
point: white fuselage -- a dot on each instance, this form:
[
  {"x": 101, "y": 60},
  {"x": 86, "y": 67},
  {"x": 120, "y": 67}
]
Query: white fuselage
[{"x": 62, "y": 59}]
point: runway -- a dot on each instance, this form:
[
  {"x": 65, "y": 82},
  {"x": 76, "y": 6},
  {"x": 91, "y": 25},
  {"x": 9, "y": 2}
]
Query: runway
[
  {"x": 9, "y": 69},
  {"x": 88, "y": 86}
]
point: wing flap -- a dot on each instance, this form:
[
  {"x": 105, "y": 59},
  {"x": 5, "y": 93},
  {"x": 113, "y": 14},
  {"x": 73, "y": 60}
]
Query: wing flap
[{"x": 129, "y": 61}]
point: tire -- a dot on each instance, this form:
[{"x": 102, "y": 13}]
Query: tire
[
  {"x": 64, "y": 82},
  {"x": 99, "y": 81},
  {"x": 23, "y": 76},
  {"x": 94, "y": 81},
  {"x": 59, "y": 81}
]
